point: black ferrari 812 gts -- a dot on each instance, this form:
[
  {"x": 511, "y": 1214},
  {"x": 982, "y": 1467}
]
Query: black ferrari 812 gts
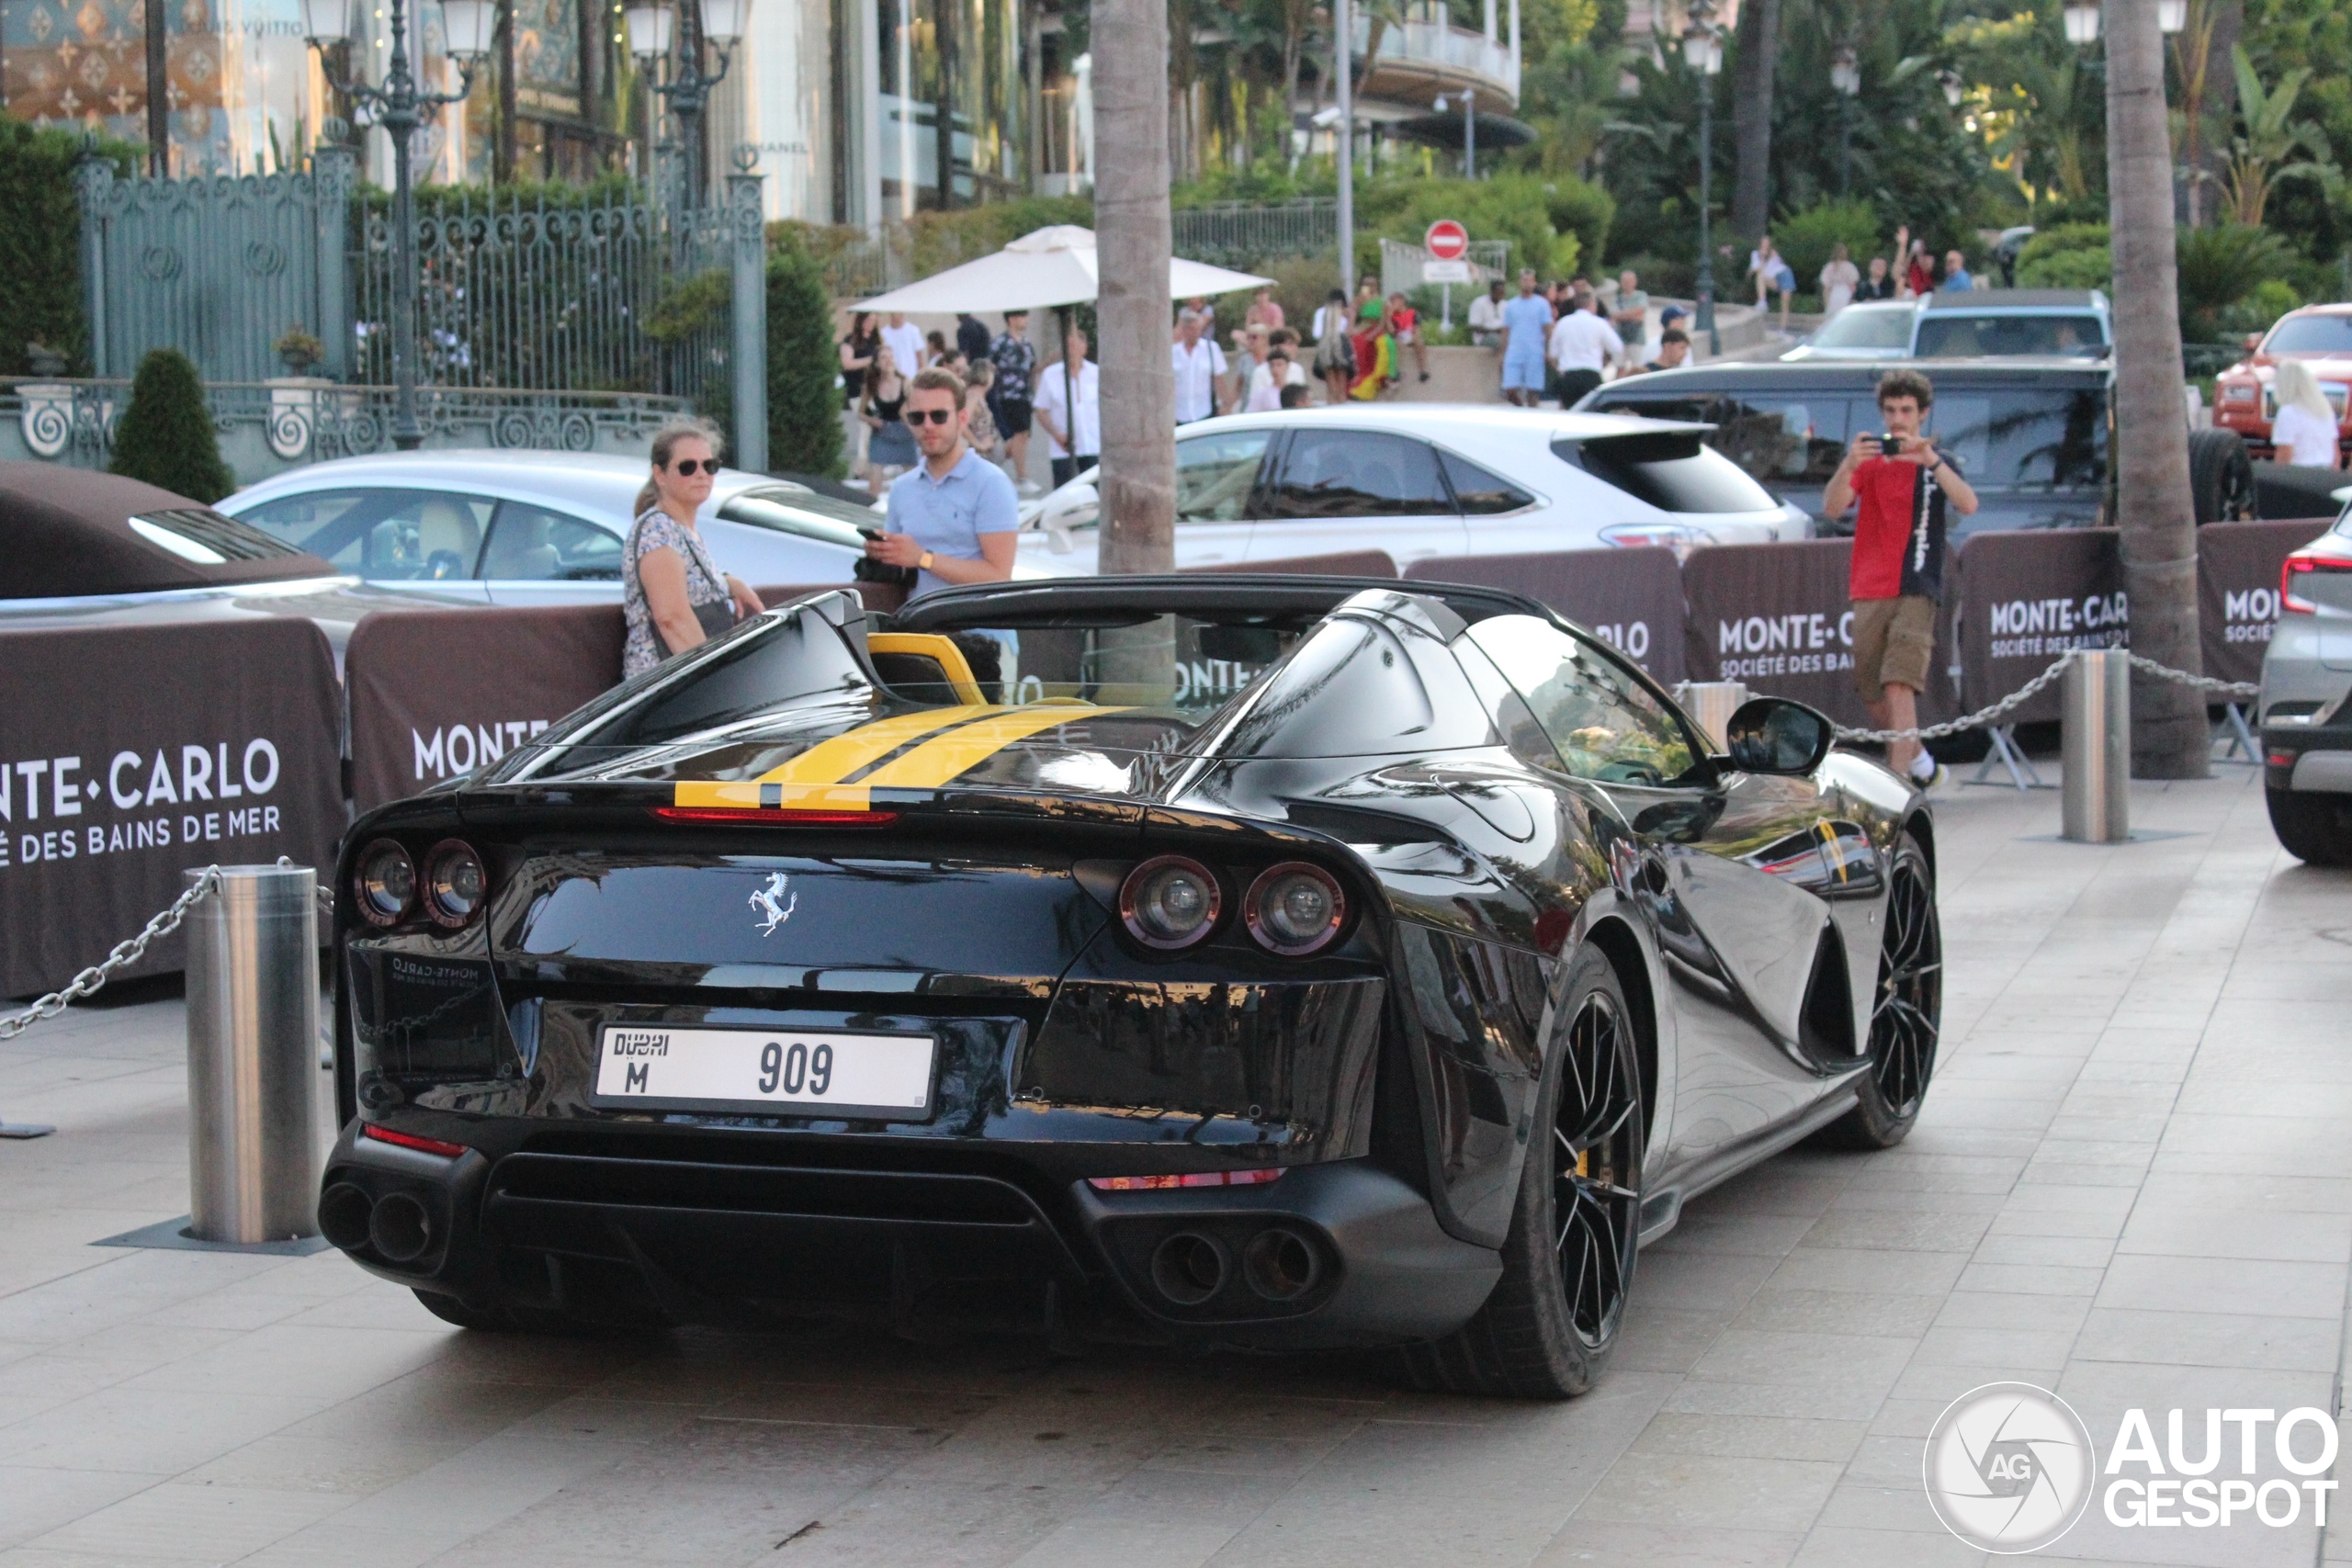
[{"x": 1270, "y": 962}]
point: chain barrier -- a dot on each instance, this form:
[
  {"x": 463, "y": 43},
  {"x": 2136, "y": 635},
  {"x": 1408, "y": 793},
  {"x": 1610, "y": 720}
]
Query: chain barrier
[
  {"x": 88, "y": 981},
  {"x": 2016, "y": 699}
]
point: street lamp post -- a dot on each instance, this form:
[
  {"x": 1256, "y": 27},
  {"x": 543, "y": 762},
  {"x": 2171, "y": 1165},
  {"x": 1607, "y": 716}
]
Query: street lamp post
[
  {"x": 1846, "y": 76},
  {"x": 717, "y": 22},
  {"x": 397, "y": 106},
  {"x": 1702, "y": 47},
  {"x": 1469, "y": 129}
]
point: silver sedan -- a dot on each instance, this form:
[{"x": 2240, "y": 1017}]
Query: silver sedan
[
  {"x": 2306, "y": 702},
  {"x": 534, "y": 527}
]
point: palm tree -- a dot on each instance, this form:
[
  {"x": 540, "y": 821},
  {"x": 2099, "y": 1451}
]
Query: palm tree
[
  {"x": 2260, "y": 158},
  {"x": 2169, "y": 738},
  {"x": 1131, "y": 215},
  {"x": 1751, "y": 186}
]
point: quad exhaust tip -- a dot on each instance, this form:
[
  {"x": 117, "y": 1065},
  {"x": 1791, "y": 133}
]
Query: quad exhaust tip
[
  {"x": 1189, "y": 1267},
  {"x": 400, "y": 1229},
  {"x": 343, "y": 1214}
]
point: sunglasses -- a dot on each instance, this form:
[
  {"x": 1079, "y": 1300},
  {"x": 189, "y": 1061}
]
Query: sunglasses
[
  {"x": 687, "y": 468},
  {"x": 935, "y": 416}
]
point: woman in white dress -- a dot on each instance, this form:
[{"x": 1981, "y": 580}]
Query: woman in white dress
[
  {"x": 1838, "y": 281},
  {"x": 2304, "y": 429}
]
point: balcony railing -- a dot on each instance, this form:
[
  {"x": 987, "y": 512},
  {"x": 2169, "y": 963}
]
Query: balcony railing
[{"x": 1441, "y": 47}]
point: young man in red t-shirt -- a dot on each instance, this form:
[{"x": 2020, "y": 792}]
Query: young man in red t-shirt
[{"x": 1904, "y": 484}]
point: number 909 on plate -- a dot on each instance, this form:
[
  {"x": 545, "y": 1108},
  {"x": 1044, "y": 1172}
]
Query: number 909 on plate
[{"x": 846, "y": 1073}]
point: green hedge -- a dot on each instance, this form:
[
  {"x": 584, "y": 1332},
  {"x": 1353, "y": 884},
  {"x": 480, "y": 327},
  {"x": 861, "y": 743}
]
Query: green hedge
[
  {"x": 40, "y": 240},
  {"x": 167, "y": 437},
  {"x": 804, "y": 402}
]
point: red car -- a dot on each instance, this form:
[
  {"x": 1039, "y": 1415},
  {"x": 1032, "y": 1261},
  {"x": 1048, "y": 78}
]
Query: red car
[{"x": 2320, "y": 335}]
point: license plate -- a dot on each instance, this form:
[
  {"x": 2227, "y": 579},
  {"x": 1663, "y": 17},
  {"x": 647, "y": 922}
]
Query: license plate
[{"x": 827, "y": 1072}]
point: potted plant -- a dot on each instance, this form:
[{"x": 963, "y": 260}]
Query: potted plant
[{"x": 298, "y": 350}]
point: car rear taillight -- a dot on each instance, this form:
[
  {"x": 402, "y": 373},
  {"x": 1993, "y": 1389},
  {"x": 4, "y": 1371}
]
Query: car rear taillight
[
  {"x": 2297, "y": 569},
  {"x": 455, "y": 883},
  {"x": 383, "y": 884},
  {"x": 1171, "y": 902},
  {"x": 1190, "y": 1179},
  {"x": 410, "y": 1140},
  {"x": 1294, "y": 908}
]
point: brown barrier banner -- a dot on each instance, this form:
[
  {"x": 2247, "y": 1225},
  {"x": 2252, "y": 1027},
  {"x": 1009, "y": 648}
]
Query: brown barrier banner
[
  {"x": 879, "y": 598},
  {"x": 130, "y": 753},
  {"x": 1339, "y": 563},
  {"x": 2237, "y": 589},
  {"x": 1776, "y": 618},
  {"x": 2027, "y": 597},
  {"x": 1631, "y": 597},
  {"x": 438, "y": 692}
]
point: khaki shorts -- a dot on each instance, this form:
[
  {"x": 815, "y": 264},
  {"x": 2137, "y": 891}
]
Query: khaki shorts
[{"x": 1894, "y": 644}]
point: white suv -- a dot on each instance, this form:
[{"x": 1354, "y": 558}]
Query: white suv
[{"x": 1423, "y": 479}]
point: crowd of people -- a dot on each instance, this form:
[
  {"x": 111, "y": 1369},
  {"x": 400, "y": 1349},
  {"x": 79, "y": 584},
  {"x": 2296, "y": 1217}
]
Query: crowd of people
[{"x": 1909, "y": 272}]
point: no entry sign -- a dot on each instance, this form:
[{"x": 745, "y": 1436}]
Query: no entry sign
[{"x": 1446, "y": 241}]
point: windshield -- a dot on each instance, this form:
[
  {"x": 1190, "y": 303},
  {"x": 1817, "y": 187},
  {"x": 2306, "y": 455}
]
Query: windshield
[
  {"x": 1970, "y": 337},
  {"x": 1860, "y": 327},
  {"x": 2310, "y": 335}
]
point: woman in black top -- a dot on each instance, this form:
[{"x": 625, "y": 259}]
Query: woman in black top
[
  {"x": 857, "y": 354},
  {"x": 1879, "y": 284}
]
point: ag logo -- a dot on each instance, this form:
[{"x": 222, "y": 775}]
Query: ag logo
[
  {"x": 2008, "y": 1467},
  {"x": 774, "y": 902}
]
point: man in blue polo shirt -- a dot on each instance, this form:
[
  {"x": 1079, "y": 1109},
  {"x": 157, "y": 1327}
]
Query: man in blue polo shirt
[{"x": 953, "y": 517}]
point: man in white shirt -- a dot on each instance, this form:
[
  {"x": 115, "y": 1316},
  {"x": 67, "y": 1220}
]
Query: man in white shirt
[
  {"x": 1486, "y": 317},
  {"x": 1075, "y": 380},
  {"x": 905, "y": 343},
  {"x": 1198, "y": 363},
  {"x": 1582, "y": 345}
]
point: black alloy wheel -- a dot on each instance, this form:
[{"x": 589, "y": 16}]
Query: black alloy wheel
[
  {"x": 1547, "y": 1330},
  {"x": 1596, "y": 1153},
  {"x": 1906, "y": 1010}
]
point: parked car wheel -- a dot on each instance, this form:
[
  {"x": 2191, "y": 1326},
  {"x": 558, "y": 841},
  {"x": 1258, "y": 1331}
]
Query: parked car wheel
[
  {"x": 1907, "y": 1011},
  {"x": 1549, "y": 1328},
  {"x": 2221, "y": 476},
  {"x": 2314, "y": 828}
]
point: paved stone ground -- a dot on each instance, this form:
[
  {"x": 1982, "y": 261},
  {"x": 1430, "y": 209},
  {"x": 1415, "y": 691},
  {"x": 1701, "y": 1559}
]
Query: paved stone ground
[{"x": 2132, "y": 1183}]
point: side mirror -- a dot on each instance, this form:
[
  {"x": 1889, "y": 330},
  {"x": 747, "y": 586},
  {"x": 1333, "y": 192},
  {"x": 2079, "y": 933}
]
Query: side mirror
[{"x": 1772, "y": 734}]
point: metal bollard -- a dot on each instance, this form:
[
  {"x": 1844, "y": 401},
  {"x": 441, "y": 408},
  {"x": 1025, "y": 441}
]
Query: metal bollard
[
  {"x": 252, "y": 1047},
  {"x": 2095, "y": 713},
  {"x": 1711, "y": 704}
]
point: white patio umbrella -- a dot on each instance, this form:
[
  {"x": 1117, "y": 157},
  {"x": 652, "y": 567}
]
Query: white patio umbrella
[{"x": 1051, "y": 266}]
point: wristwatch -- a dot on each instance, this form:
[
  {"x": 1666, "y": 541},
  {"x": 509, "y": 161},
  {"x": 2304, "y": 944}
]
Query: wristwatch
[{"x": 922, "y": 561}]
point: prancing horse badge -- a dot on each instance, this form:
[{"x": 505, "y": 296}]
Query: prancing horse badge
[{"x": 774, "y": 902}]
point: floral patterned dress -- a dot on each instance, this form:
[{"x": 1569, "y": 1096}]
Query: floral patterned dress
[{"x": 705, "y": 584}]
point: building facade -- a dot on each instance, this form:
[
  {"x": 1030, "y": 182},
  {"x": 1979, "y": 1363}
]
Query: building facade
[{"x": 863, "y": 112}]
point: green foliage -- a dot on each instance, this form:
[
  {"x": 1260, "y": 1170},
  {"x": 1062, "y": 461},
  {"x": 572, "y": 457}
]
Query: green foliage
[
  {"x": 2218, "y": 267},
  {"x": 41, "y": 242},
  {"x": 1807, "y": 237},
  {"x": 165, "y": 437},
  {"x": 2067, "y": 255},
  {"x": 698, "y": 304},
  {"x": 1515, "y": 208},
  {"x": 2269, "y": 299},
  {"x": 804, "y": 401}
]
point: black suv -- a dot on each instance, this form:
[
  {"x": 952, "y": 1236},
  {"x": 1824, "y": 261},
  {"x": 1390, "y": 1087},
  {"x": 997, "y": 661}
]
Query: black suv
[{"x": 2031, "y": 433}]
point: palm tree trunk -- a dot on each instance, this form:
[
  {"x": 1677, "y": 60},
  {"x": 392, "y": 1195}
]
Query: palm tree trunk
[
  {"x": 1133, "y": 240},
  {"x": 2169, "y": 736},
  {"x": 1751, "y": 189}
]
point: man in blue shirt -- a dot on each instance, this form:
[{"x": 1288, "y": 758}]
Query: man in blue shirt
[
  {"x": 1527, "y": 322},
  {"x": 953, "y": 517},
  {"x": 1956, "y": 278}
]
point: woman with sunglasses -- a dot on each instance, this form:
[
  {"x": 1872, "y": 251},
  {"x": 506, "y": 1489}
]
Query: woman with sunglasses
[
  {"x": 890, "y": 450},
  {"x": 674, "y": 596}
]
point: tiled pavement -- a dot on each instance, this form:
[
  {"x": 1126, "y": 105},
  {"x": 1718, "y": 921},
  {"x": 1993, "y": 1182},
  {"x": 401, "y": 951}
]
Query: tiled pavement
[{"x": 2132, "y": 1183}]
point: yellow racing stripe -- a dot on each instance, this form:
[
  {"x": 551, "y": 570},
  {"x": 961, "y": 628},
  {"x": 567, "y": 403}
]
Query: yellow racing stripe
[
  {"x": 934, "y": 762},
  {"x": 812, "y": 780}
]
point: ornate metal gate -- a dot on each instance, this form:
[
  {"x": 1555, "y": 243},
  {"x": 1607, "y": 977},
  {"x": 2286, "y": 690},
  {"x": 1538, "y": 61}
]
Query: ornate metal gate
[
  {"x": 521, "y": 297},
  {"x": 218, "y": 267}
]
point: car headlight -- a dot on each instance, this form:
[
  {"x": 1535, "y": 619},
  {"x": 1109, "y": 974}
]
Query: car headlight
[
  {"x": 384, "y": 884},
  {"x": 1171, "y": 902},
  {"x": 454, "y": 883},
  {"x": 1295, "y": 909}
]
